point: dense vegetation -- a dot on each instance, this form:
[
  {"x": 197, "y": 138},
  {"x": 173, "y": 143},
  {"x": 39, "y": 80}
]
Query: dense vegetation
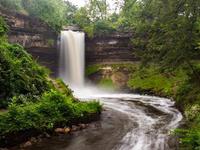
[
  {"x": 19, "y": 73},
  {"x": 56, "y": 13},
  {"x": 167, "y": 36},
  {"x": 94, "y": 18},
  {"x": 53, "y": 109},
  {"x": 31, "y": 100}
]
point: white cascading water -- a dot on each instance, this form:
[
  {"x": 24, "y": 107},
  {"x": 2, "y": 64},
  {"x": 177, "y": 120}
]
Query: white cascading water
[
  {"x": 152, "y": 130},
  {"x": 71, "y": 61}
]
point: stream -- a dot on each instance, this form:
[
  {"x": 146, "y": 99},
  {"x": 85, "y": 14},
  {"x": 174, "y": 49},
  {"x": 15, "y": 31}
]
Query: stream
[{"x": 128, "y": 122}]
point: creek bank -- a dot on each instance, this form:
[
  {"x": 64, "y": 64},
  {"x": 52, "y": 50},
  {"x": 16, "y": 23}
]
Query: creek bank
[
  {"x": 127, "y": 121},
  {"x": 104, "y": 133},
  {"x": 57, "y": 132},
  {"x": 183, "y": 87},
  {"x": 19, "y": 138}
]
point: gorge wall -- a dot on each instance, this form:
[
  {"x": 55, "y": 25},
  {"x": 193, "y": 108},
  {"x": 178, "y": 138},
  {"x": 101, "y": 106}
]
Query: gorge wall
[
  {"x": 35, "y": 35},
  {"x": 41, "y": 41},
  {"x": 112, "y": 48}
]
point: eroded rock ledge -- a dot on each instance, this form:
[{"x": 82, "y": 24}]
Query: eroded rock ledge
[
  {"x": 35, "y": 35},
  {"x": 110, "y": 48}
]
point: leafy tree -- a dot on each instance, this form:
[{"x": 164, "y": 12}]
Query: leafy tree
[
  {"x": 97, "y": 9},
  {"x": 3, "y": 27},
  {"x": 11, "y": 4},
  {"x": 51, "y": 11},
  {"x": 166, "y": 31},
  {"x": 70, "y": 13}
]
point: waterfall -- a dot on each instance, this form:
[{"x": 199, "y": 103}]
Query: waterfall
[{"x": 72, "y": 58}]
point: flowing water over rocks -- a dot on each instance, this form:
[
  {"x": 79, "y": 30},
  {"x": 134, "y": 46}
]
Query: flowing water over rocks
[{"x": 129, "y": 122}]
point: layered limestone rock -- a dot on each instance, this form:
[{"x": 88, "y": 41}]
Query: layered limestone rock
[
  {"x": 35, "y": 35},
  {"x": 115, "y": 47},
  {"x": 41, "y": 41}
]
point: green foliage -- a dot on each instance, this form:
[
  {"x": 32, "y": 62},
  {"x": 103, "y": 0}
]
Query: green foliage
[
  {"x": 106, "y": 83},
  {"x": 36, "y": 103},
  {"x": 190, "y": 139},
  {"x": 97, "y": 10},
  {"x": 51, "y": 11},
  {"x": 166, "y": 32},
  {"x": 19, "y": 73},
  {"x": 94, "y": 18},
  {"x": 92, "y": 69},
  {"x": 189, "y": 92},
  {"x": 152, "y": 79},
  {"x": 11, "y": 4},
  {"x": 103, "y": 27},
  {"x": 130, "y": 67},
  {"x": 3, "y": 27},
  {"x": 52, "y": 109},
  {"x": 56, "y": 13},
  {"x": 59, "y": 85}
]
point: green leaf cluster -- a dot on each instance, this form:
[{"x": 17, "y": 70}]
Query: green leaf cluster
[
  {"x": 19, "y": 73},
  {"x": 53, "y": 109}
]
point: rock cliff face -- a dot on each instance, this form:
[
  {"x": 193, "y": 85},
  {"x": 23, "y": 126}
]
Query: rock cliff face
[
  {"x": 41, "y": 41},
  {"x": 36, "y": 36},
  {"x": 113, "y": 48}
]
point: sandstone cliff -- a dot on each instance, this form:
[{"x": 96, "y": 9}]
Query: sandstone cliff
[
  {"x": 35, "y": 35},
  {"x": 112, "y": 48}
]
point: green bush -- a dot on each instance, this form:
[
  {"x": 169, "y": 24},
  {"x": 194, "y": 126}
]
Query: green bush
[
  {"x": 53, "y": 108},
  {"x": 190, "y": 138},
  {"x": 3, "y": 27},
  {"x": 36, "y": 103},
  {"x": 106, "y": 83},
  {"x": 92, "y": 69},
  {"x": 19, "y": 73},
  {"x": 11, "y": 4},
  {"x": 103, "y": 27},
  {"x": 161, "y": 83}
]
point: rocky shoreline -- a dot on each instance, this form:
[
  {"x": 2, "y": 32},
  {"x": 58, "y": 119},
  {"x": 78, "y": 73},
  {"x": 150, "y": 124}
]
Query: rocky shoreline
[{"x": 27, "y": 138}]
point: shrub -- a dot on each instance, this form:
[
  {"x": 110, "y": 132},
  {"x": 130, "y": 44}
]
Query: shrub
[
  {"x": 3, "y": 27},
  {"x": 103, "y": 27},
  {"x": 11, "y": 4},
  {"x": 152, "y": 79},
  {"x": 106, "y": 83},
  {"x": 92, "y": 69},
  {"x": 53, "y": 108},
  {"x": 19, "y": 73}
]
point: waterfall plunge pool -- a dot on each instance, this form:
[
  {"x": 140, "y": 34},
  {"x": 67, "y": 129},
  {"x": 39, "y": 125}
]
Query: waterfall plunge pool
[{"x": 128, "y": 121}]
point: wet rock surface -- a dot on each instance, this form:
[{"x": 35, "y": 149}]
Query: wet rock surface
[
  {"x": 104, "y": 133},
  {"x": 114, "y": 47}
]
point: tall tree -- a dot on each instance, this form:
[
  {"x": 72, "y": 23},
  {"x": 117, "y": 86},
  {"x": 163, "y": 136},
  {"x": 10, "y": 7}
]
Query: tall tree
[
  {"x": 51, "y": 11},
  {"x": 98, "y": 9},
  {"x": 166, "y": 31}
]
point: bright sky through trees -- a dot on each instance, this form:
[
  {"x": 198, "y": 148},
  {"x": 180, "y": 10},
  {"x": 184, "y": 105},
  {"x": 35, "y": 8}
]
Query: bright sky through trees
[
  {"x": 78, "y": 3},
  {"x": 113, "y": 4}
]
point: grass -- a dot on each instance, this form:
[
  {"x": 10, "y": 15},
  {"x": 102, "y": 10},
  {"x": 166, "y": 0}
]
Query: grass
[
  {"x": 151, "y": 79},
  {"x": 92, "y": 69},
  {"x": 106, "y": 84}
]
